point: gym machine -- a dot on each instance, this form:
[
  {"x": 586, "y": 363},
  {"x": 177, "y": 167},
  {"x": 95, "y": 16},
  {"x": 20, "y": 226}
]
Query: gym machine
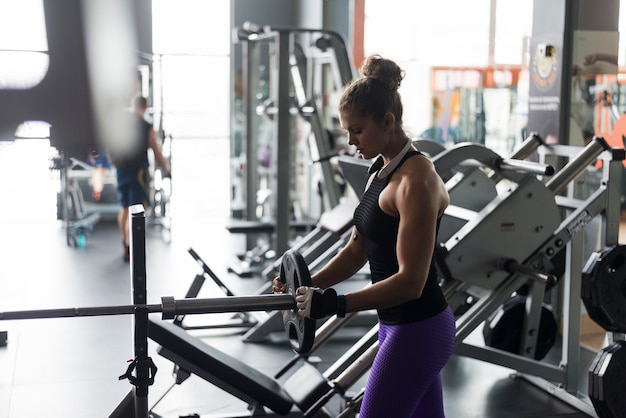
[
  {"x": 496, "y": 252},
  {"x": 300, "y": 62},
  {"x": 469, "y": 187},
  {"x": 470, "y": 190},
  {"x": 71, "y": 206},
  {"x": 315, "y": 389},
  {"x": 491, "y": 271}
]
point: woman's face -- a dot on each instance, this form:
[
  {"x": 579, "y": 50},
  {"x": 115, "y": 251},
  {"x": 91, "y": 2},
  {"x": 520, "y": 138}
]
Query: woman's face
[{"x": 364, "y": 133}]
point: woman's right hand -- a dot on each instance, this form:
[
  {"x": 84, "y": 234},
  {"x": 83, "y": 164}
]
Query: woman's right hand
[{"x": 278, "y": 286}]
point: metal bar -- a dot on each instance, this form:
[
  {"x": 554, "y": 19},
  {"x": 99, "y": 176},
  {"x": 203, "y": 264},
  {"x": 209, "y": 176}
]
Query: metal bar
[
  {"x": 528, "y": 167},
  {"x": 571, "y": 312},
  {"x": 269, "y": 302},
  {"x": 472, "y": 154},
  {"x": 313, "y": 116},
  {"x": 513, "y": 361},
  {"x": 210, "y": 272},
  {"x": 532, "y": 319},
  {"x": 355, "y": 352},
  {"x": 530, "y": 145},
  {"x": 358, "y": 368},
  {"x": 513, "y": 266},
  {"x": 613, "y": 173},
  {"x": 72, "y": 312},
  {"x": 139, "y": 290},
  {"x": 137, "y": 220},
  {"x": 284, "y": 176},
  {"x": 568, "y": 173},
  {"x": 251, "y": 57}
]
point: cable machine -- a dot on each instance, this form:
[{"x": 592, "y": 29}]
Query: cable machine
[{"x": 303, "y": 66}]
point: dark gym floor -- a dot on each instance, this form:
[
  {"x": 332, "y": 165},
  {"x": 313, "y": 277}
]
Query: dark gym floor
[{"x": 60, "y": 368}]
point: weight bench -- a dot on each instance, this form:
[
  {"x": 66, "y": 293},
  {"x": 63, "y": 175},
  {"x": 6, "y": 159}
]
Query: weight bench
[
  {"x": 222, "y": 370},
  {"x": 237, "y": 226}
]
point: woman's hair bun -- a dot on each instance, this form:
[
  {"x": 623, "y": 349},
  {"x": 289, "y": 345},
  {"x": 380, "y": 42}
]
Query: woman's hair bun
[{"x": 383, "y": 70}]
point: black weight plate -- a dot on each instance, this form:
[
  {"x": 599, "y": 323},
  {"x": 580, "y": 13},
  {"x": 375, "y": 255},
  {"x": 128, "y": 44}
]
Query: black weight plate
[
  {"x": 294, "y": 272},
  {"x": 604, "y": 288},
  {"x": 594, "y": 395},
  {"x": 503, "y": 330},
  {"x": 591, "y": 384},
  {"x": 595, "y": 400},
  {"x": 613, "y": 379}
]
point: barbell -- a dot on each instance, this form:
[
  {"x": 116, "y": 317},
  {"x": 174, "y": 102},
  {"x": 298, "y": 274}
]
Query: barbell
[{"x": 294, "y": 273}]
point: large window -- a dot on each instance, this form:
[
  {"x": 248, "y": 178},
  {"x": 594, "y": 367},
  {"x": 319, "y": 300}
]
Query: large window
[
  {"x": 23, "y": 44},
  {"x": 191, "y": 43},
  {"x": 23, "y": 53}
]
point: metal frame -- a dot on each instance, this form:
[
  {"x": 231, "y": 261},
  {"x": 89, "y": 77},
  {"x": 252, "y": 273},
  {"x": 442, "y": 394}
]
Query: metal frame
[
  {"x": 560, "y": 379},
  {"x": 287, "y": 74}
]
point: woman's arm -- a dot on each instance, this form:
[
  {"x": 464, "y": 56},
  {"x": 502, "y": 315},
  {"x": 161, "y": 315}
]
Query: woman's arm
[{"x": 345, "y": 264}]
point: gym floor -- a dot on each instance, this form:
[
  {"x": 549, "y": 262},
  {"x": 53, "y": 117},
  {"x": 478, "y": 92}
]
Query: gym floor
[{"x": 60, "y": 368}]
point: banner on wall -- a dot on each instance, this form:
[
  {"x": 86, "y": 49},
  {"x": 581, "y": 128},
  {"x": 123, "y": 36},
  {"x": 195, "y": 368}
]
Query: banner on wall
[{"x": 544, "y": 94}]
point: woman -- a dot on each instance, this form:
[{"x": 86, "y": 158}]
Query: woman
[{"x": 395, "y": 229}]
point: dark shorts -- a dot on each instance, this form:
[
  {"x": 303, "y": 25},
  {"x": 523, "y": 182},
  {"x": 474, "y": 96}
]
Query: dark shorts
[{"x": 133, "y": 187}]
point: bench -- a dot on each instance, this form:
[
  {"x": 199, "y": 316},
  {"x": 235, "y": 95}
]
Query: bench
[
  {"x": 219, "y": 368},
  {"x": 241, "y": 226}
]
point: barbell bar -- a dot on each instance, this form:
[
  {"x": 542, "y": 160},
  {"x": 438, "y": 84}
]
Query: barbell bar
[
  {"x": 169, "y": 307},
  {"x": 294, "y": 273}
]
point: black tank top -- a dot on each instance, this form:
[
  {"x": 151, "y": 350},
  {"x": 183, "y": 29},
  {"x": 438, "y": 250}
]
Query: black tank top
[
  {"x": 137, "y": 157},
  {"x": 381, "y": 234}
]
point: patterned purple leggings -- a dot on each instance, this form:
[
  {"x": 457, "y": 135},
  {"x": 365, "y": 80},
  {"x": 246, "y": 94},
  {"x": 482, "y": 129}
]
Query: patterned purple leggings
[{"x": 405, "y": 380}]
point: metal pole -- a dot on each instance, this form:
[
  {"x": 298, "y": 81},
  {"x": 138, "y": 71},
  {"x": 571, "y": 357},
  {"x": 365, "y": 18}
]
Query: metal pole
[
  {"x": 284, "y": 176},
  {"x": 530, "y": 145},
  {"x": 169, "y": 307},
  {"x": 528, "y": 167},
  {"x": 139, "y": 292},
  {"x": 575, "y": 167},
  {"x": 251, "y": 53}
]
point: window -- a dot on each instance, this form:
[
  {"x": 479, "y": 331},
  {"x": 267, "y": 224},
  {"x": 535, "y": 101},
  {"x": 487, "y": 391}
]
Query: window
[{"x": 191, "y": 43}]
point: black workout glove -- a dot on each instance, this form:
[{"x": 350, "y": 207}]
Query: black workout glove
[{"x": 315, "y": 303}]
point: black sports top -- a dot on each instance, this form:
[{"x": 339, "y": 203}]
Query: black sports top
[
  {"x": 381, "y": 234},
  {"x": 137, "y": 157}
]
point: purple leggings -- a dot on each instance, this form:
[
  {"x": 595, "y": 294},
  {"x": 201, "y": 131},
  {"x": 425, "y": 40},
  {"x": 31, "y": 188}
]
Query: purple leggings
[{"x": 405, "y": 378}]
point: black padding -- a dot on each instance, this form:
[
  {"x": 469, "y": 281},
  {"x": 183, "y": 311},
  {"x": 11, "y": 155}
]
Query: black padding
[
  {"x": 306, "y": 386},
  {"x": 237, "y": 226},
  {"x": 219, "y": 368}
]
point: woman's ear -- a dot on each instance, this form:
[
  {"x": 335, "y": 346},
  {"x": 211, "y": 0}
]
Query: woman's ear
[{"x": 389, "y": 119}]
